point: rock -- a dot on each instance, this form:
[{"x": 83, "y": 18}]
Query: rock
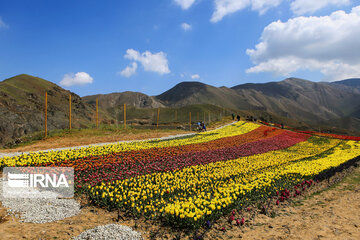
[{"x": 110, "y": 232}]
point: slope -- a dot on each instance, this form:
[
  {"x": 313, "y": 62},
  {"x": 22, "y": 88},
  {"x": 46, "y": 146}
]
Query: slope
[
  {"x": 301, "y": 99},
  {"x": 22, "y": 100},
  {"x": 188, "y": 93}
]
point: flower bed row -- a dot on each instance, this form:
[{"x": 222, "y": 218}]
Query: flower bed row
[
  {"x": 338, "y": 136},
  {"x": 191, "y": 180},
  {"x": 40, "y": 158},
  {"x": 117, "y": 170},
  {"x": 156, "y": 153},
  {"x": 192, "y": 195}
]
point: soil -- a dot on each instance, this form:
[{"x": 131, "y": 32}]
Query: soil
[{"x": 328, "y": 210}]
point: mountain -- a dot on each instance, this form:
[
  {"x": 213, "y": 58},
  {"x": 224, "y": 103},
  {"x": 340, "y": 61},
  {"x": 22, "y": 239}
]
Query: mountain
[
  {"x": 351, "y": 85},
  {"x": 188, "y": 93},
  {"x": 315, "y": 103},
  {"x": 300, "y": 103},
  {"x": 294, "y": 98},
  {"x": 302, "y": 99},
  {"x": 22, "y": 100},
  {"x": 135, "y": 99},
  {"x": 352, "y": 82},
  {"x": 138, "y": 106}
]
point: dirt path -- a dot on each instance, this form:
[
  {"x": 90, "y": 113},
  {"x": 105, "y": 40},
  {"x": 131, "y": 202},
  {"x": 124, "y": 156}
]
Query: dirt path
[
  {"x": 80, "y": 140},
  {"x": 94, "y": 136}
]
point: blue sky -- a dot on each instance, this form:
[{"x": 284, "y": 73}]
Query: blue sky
[{"x": 93, "y": 46}]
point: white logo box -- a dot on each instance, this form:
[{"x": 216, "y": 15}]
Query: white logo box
[{"x": 38, "y": 182}]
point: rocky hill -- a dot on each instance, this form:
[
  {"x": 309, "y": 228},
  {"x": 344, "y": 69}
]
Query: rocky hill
[
  {"x": 22, "y": 104},
  {"x": 134, "y": 99},
  {"x": 188, "y": 93}
]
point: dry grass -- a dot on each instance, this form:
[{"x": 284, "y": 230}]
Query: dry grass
[{"x": 80, "y": 137}]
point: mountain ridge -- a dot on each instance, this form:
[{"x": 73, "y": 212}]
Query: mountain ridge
[
  {"x": 304, "y": 100},
  {"x": 335, "y": 104}
]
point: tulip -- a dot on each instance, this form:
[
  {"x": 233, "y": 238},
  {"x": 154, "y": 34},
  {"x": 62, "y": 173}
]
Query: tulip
[{"x": 242, "y": 221}]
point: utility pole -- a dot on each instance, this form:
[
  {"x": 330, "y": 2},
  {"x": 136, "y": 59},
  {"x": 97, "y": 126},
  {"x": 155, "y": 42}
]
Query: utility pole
[
  {"x": 124, "y": 115},
  {"x": 158, "y": 115},
  {"x": 45, "y": 114},
  {"x": 70, "y": 111},
  {"x": 97, "y": 113},
  {"x": 190, "y": 121}
]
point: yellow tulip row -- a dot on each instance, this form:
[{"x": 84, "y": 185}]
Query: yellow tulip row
[
  {"x": 342, "y": 153},
  {"x": 39, "y": 158},
  {"x": 195, "y": 192}
]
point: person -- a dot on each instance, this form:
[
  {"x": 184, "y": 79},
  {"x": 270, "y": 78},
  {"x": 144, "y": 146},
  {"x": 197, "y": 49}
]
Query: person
[
  {"x": 282, "y": 126},
  {"x": 204, "y": 127},
  {"x": 233, "y": 116},
  {"x": 238, "y": 117},
  {"x": 199, "y": 125}
]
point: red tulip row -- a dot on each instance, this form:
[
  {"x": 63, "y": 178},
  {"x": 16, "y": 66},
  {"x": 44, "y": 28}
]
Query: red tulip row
[
  {"x": 117, "y": 170},
  {"x": 87, "y": 163}
]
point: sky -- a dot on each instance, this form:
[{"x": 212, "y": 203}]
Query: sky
[{"x": 149, "y": 46}]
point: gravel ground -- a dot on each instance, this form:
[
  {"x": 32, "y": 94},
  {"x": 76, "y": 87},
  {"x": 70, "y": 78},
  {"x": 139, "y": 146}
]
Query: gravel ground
[
  {"x": 102, "y": 144},
  {"x": 39, "y": 210},
  {"x": 109, "y": 232}
]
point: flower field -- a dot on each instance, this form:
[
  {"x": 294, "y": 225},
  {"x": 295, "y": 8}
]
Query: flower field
[{"x": 189, "y": 181}]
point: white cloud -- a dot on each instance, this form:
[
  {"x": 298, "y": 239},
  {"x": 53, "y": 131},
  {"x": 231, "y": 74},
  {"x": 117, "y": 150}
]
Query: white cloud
[
  {"x": 329, "y": 44},
  {"x": 129, "y": 70},
  {"x": 263, "y": 5},
  {"x": 184, "y": 4},
  {"x": 195, "y": 76},
  {"x": 300, "y": 7},
  {"x": 3, "y": 24},
  {"x": 156, "y": 62},
  {"x": 186, "y": 26},
  {"x": 226, "y": 7},
  {"x": 79, "y": 78}
]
